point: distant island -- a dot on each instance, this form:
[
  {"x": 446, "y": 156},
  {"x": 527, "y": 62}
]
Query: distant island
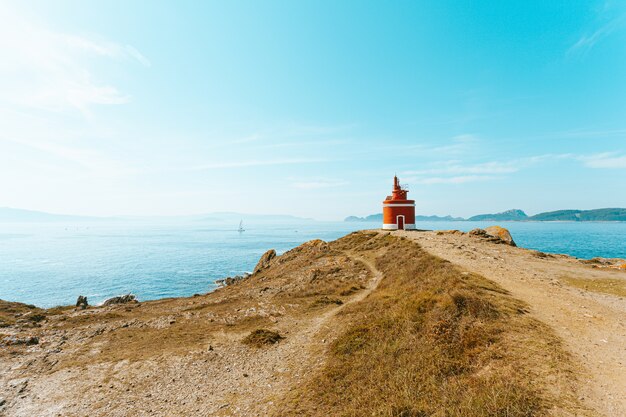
[
  {"x": 15, "y": 215},
  {"x": 8, "y": 214},
  {"x": 596, "y": 215},
  {"x": 379, "y": 218}
]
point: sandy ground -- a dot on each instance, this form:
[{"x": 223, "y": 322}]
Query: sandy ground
[{"x": 593, "y": 325}]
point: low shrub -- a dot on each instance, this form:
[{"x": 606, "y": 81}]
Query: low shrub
[{"x": 262, "y": 337}]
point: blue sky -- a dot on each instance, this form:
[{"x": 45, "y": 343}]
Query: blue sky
[{"x": 310, "y": 107}]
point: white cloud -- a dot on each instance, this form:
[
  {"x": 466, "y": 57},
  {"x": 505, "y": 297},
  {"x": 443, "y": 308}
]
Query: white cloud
[
  {"x": 455, "y": 172},
  {"x": 587, "y": 133},
  {"x": 253, "y": 163},
  {"x": 454, "y": 168},
  {"x": 460, "y": 143},
  {"x": 606, "y": 160},
  {"x": 608, "y": 25},
  {"x": 462, "y": 179},
  {"x": 317, "y": 184},
  {"x": 88, "y": 160},
  {"x": 103, "y": 48},
  {"x": 44, "y": 69}
]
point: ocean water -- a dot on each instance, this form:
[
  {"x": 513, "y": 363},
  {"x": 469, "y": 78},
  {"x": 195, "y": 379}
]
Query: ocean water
[{"x": 50, "y": 264}]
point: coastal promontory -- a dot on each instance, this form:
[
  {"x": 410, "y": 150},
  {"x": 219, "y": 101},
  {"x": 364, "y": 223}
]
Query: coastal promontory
[{"x": 403, "y": 323}]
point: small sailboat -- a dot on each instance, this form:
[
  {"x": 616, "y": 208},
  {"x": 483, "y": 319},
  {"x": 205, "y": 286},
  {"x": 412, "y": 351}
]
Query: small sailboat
[{"x": 241, "y": 229}]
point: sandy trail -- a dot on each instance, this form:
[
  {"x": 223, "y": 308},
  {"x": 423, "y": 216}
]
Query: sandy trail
[
  {"x": 303, "y": 351},
  {"x": 592, "y": 325}
]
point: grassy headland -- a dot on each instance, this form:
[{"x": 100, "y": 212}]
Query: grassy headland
[{"x": 370, "y": 324}]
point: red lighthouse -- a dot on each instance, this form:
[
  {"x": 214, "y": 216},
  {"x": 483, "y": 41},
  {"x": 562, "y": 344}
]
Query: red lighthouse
[{"x": 398, "y": 212}]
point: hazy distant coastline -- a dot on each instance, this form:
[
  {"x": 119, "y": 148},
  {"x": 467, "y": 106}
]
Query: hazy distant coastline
[
  {"x": 596, "y": 215},
  {"x": 8, "y": 214}
]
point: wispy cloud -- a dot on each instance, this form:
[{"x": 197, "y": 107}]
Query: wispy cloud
[
  {"x": 88, "y": 160},
  {"x": 41, "y": 68},
  {"x": 461, "y": 179},
  {"x": 450, "y": 147},
  {"x": 588, "y": 133},
  {"x": 459, "y": 144},
  {"x": 246, "y": 139},
  {"x": 301, "y": 144},
  {"x": 313, "y": 130},
  {"x": 457, "y": 172},
  {"x": 100, "y": 47},
  {"x": 253, "y": 163},
  {"x": 317, "y": 184},
  {"x": 455, "y": 168},
  {"x": 607, "y": 160},
  {"x": 607, "y": 25}
]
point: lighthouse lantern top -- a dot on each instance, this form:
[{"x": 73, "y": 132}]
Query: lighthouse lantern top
[{"x": 399, "y": 191}]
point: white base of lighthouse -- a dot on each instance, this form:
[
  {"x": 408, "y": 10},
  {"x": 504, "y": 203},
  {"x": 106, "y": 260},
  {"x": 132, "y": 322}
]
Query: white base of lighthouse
[{"x": 393, "y": 226}]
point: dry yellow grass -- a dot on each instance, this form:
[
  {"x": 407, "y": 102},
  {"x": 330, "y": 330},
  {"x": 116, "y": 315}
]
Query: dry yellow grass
[
  {"x": 614, "y": 286},
  {"x": 10, "y": 312},
  {"x": 262, "y": 337},
  {"x": 434, "y": 341}
]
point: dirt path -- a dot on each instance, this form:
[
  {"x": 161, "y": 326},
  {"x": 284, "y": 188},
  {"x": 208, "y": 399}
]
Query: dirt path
[
  {"x": 315, "y": 336},
  {"x": 317, "y": 332},
  {"x": 592, "y": 325}
]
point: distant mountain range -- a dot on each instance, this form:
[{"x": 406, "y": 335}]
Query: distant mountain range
[
  {"x": 606, "y": 214},
  {"x": 8, "y": 214},
  {"x": 509, "y": 215},
  {"x": 379, "y": 218},
  {"x": 13, "y": 215},
  {"x": 597, "y": 215}
]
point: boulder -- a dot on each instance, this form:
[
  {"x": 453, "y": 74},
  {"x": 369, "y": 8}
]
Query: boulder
[
  {"x": 502, "y": 233},
  {"x": 265, "y": 261},
  {"x": 451, "y": 232},
  {"x": 120, "y": 299},
  {"x": 494, "y": 234},
  {"x": 477, "y": 232},
  {"x": 82, "y": 302}
]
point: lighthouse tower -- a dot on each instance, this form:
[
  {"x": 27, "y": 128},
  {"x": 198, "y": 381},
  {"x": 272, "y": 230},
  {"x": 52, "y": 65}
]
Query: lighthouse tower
[{"x": 398, "y": 212}]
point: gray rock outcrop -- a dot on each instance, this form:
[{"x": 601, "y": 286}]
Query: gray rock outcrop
[
  {"x": 82, "y": 302},
  {"x": 265, "y": 260},
  {"x": 120, "y": 299}
]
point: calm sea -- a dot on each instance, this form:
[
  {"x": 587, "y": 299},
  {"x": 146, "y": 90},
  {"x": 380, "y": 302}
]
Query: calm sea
[{"x": 50, "y": 264}]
